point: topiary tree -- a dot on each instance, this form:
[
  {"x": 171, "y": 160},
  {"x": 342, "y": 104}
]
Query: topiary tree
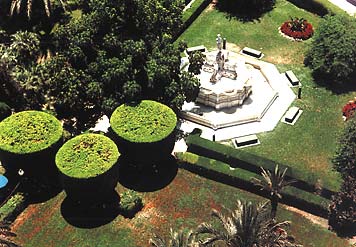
[
  {"x": 342, "y": 216},
  {"x": 28, "y": 141},
  {"x": 87, "y": 164},
  {"x": 146, "y": 128},
  {"x": 332, "y": 51}
]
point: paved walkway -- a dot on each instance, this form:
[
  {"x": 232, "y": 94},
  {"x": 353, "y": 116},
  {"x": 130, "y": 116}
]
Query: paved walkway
[{"x": 346, "y": 6}]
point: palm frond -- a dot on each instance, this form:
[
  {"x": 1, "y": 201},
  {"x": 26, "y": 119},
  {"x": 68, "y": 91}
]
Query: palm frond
[{"x": 156, "y": 241}]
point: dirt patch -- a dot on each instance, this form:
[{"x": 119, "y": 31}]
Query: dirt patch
[
  {"x": 212, "y": 5},
  {"x": 279, "y": 59},
  {"x": 233, "y": 47},
  {"x": 27, "y": 213},
  {"x": 314, "y": 219}
]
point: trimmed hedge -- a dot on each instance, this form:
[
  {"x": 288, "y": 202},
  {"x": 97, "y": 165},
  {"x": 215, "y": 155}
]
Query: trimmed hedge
[
  {"x": 146, "y": 122},
  {"x": 87, "y": 156},
  {"x": 251, "y": 162},
  {"x": 221, "y": 172},
  {"x": 29, "y": 132}
]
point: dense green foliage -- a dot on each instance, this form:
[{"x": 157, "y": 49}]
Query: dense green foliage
[
  {"x": 113, "y": 52},
  {"x": 196, "y": 61},
  {"x": 344, "y": 160},
  {"x": 29, "y": 131},
  {"x": 333, "y": 51},
  {"x": 5, "y": 110},
  {"x": 12, "y": 207},
  {"x": 86, "y": 156},
  {"x": 221, "y": 171},
  {"x": 130, "y": 203},
  {"x": 148, "y": 121},
  {"x": 342, "y": 216},
  {"x": 242, "y": 159}
]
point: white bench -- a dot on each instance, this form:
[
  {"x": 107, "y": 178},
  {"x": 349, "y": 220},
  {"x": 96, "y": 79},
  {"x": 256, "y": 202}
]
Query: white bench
[
  {"x": 252, "y": 52},
  {"x": 246, "y": 141},
  {"x": 196, "y": 48},
  {"x": 291, "y": 114},
  {"x": 292, "y": 78}
]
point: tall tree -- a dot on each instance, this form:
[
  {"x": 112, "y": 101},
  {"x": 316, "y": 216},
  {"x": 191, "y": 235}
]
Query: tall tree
[
  {"x": 125, "y": 46},
  {"x": 332, "y": 52},
  {"x": 249, "y": 225},
  {"x": 274, "y": 183}
]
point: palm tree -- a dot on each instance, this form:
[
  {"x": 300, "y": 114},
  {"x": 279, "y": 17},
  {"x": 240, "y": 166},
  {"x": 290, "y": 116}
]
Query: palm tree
[
  {"x": 249, "y": 225},
  {"x": 16, "y": 5},
  {"x": 274, "y": 183},
  {"x": 177, "y": 239},
  {"x": 5, "y": 235}
]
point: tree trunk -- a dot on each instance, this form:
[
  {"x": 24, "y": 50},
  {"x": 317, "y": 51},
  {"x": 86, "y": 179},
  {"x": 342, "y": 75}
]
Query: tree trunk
[{"x": 274, "y": 204}]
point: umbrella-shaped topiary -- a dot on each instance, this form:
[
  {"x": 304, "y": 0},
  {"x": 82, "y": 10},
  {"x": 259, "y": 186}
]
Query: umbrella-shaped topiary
[
  {"x": 147, "y": 128},
  {"x": 29, "y": 140},
  {"x": 87, "y": 165}
]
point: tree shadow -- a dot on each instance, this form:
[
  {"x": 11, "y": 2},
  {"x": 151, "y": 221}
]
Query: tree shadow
[
  {"x": 147, "y": 178},
  {"x": 245, "y": 11},
  {"x": 334, "y": 85},
  {"x": 85, "y": 215}
]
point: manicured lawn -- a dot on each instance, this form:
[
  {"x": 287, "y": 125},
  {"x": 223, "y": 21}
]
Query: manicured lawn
[
  {"x": 261, "y": 34},
  {"x": 311, "y": 143},
  {"x": 184, "y": 203}
]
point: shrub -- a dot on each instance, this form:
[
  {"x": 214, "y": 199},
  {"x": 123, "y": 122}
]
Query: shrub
[
  {"x": 29, "y": 132},
  {"x": 342, "y": 217},
  {"x": 344, "y": 159},
  {"x": 297, "y": 28},
  {"x": 130, "y": 203},
  {"x": 86, "y": 156},
  {"x": 148, "y": 121},
  {"x": 5, "y": 111},
  {"x": 333, "y": 51},
  {"x": 12, "y": 207}
]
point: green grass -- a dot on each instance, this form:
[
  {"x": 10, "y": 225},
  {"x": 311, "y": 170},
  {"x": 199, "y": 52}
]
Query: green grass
[
  {"x": 261, "y": 34},
  {"x": 311, "y": 143},
  {"x": 185, "y": 203}
]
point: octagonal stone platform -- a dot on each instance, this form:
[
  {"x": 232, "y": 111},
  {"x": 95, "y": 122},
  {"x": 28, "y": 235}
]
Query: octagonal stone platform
[{"x": 270, "y": 98}]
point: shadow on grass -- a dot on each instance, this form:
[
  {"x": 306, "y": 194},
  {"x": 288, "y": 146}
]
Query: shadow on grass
[
  {"x": 147, "y": 178},
  {"x": 337, "y": 87},
  {"x": 84, "y": 215},
  {"x": 245, "y": 10}
]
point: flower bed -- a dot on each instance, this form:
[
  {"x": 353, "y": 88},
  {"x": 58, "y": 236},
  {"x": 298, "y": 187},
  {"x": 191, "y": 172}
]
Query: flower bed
[{"x": 298, "y": 29}]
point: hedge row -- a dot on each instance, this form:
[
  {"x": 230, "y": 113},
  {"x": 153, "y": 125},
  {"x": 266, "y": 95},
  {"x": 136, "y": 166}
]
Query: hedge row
[
  {"x": 221, "y": 172},
  {"x": 238, "y": 158},
  {"x": 191, "y": 14}
]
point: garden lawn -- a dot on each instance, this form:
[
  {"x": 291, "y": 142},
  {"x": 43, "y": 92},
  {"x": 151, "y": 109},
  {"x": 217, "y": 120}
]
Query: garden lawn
[
  {"x": 261, "y": 34},
  {"x": 311, "y": 143},
  {"x": 184, "y": 203}
]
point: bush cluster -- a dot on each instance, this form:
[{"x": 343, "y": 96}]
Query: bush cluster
[
  {"x": 130, "y": 203},
  {"x": 29, "y": 132},
  {"x": 146, "y": 122},
  {"x": 297, "y": 29},
  {"x": 87, "y": 156}
]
